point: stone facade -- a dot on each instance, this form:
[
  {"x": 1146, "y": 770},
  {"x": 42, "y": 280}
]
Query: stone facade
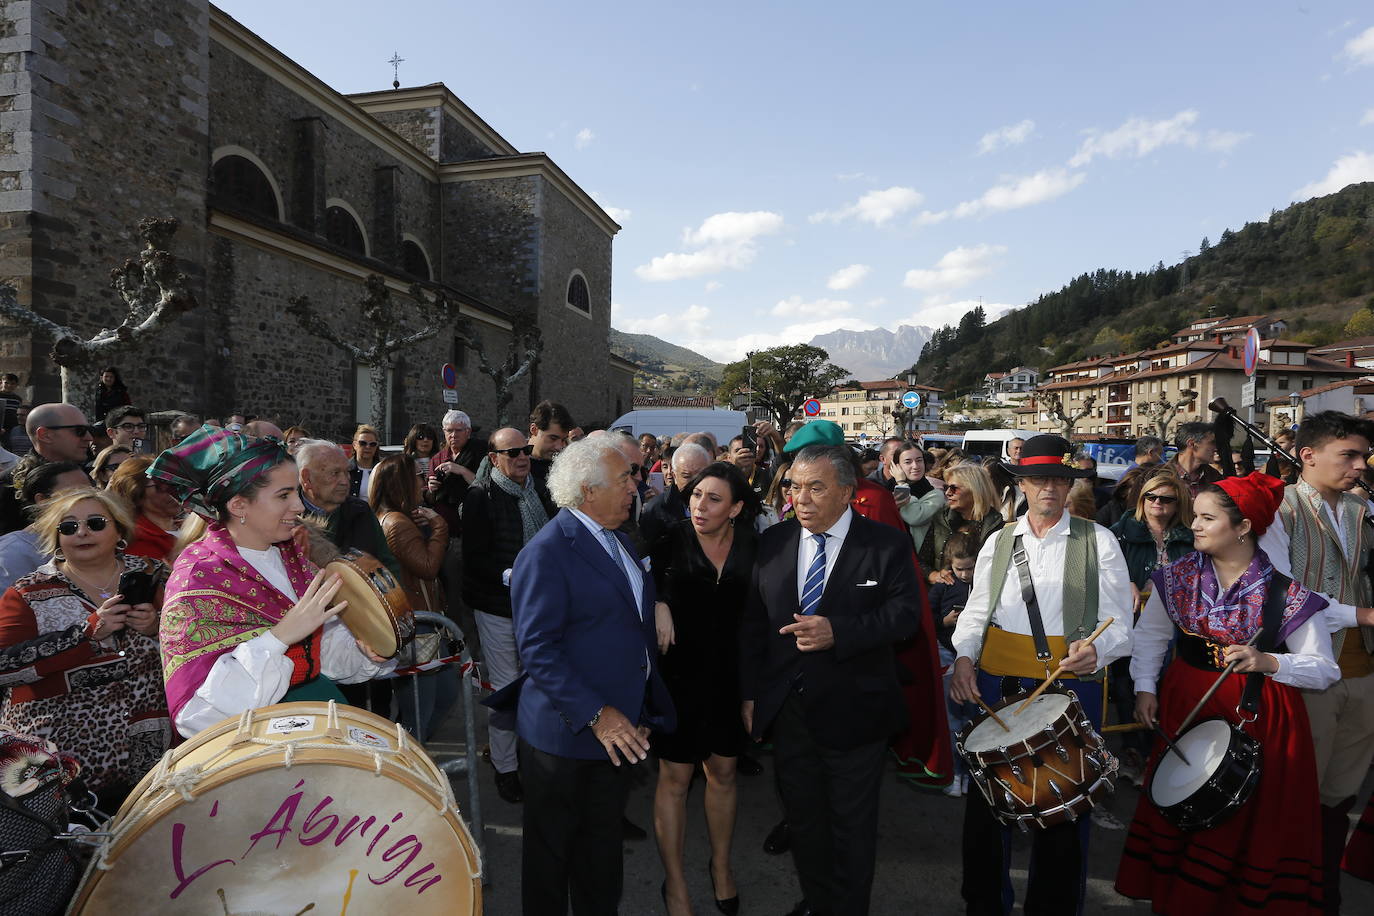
[{"x": 92, "y": 140}]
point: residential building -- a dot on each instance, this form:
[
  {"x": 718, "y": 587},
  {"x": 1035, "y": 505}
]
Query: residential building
[
  {"x": 866, "y": 410},
  {"x": 1353, "y": 396}
]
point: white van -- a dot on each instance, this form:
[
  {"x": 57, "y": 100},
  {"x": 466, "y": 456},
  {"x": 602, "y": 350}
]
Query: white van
[
  {"x": 723, "y": 424},
  {"x": 985, "y": 443}
]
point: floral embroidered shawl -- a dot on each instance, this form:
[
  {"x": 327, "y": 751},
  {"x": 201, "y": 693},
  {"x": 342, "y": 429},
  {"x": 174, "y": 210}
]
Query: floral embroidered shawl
[
  {"x": 215, "y": 601},
  {"x": 1195, "y": 603}
]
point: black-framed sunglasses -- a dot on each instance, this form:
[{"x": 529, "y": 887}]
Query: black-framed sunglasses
[
  {"x": 514, "y": 452},
  {"x": 71, "y": 526},
  {"x": 79, "y": 429},
  {"x": 423, "y": 436},
  {"x": 367, "y": 445},
  {"x": 1162, "y": 498}
]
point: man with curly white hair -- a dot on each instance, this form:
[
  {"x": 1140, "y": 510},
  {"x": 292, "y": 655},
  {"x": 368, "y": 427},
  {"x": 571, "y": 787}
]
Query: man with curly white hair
[{"x": 582, "y": 608}]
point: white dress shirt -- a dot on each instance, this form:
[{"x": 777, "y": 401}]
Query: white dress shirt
[
  {"x": 1307, "y": 663},
  {"x": 1046, "y": 559},
  {"x": 834, "y": 540},
  {"x": 1274, "y": 542},
  {"x": 257, "y": 673}
]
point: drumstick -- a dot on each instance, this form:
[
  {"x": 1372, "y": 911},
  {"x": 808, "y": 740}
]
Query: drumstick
[
  {"x": 1061, "y": 669},
  {"x": 1172, "y": 746},
  {"x": 995, "y": 717},
  {"x": 1213, "y": 689}
]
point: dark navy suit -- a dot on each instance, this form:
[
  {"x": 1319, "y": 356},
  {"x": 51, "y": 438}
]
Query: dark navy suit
[{"x": 585, "y": 643}]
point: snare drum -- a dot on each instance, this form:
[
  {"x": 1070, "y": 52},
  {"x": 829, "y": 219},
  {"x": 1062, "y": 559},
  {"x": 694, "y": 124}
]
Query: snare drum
[
  {"x": 1050, "y": 768},
  {"x": 378, "y": 609},
  {"x": 1222, "y": 771},
  {"x": 286, "y": 809}
]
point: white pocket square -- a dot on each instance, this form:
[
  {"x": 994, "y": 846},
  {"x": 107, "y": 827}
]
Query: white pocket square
[
  {"x": 645, "y": 563},
  {"x": 868, "y": 583}
]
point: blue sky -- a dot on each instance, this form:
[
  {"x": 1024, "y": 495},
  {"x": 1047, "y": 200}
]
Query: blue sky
[{"x": 785, "y": 169}]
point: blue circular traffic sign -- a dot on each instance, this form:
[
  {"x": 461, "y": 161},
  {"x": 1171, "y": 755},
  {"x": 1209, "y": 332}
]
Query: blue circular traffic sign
[
  {"x": 1251, "y": 357},
  {"x": 911, "y": 400},
  {"x": 811, "y": 407},
  {"x": 448, "y": 375}
]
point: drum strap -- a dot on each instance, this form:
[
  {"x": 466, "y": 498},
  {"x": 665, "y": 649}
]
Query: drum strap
[
  {"x": 1270, "y": 617},
  {"x": 1037, "y": 624}
]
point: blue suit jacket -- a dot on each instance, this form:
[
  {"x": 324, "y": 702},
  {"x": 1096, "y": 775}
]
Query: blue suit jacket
[{"x": 583, "y": 642}]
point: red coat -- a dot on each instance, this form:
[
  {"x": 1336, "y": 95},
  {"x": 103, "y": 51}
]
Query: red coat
[{"x": 923, "y": 749}]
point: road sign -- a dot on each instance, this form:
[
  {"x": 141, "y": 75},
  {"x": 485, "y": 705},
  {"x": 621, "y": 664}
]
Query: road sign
[
  {"x": 451, "y": 396},
  {"x": 911, "y": 400},
  {"x": 1251, "y": 358},
  {"x": 448, "y": 377},
  {"x": 811, "y": 407},
  {"x": 1247, "y": 393}
]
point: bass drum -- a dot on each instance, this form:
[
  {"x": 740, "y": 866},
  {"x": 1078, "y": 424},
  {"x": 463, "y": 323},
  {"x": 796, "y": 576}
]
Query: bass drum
[
  {"x": 293, "y": 808},
  {"x": 1222, "y": 771}
]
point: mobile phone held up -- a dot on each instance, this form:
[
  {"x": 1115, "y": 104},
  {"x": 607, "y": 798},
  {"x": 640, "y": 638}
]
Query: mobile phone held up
[
  {"x": 136, "y": 587},
  {"x": 749, "y": 436}
]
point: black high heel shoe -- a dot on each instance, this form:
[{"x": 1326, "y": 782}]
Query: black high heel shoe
[{"x": 729, "y": 906}]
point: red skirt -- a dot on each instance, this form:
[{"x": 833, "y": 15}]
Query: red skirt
[
  {"x": 1267, "y": 856},
  {"x": 1359, "y": 855}
]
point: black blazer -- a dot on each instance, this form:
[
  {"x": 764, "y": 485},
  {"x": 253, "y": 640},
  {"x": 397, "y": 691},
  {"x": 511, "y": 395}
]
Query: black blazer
[{"x": 849, "y": 693}]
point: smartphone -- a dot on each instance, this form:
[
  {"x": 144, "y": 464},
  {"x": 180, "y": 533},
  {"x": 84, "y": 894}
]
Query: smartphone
[
  {"x": 136, "y": 587},
  {"x": 749, "y": 436}
]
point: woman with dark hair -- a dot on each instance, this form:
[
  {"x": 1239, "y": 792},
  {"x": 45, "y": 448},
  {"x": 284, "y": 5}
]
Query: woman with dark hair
[
  {"x": 418, "y": 536},
  {"x": 421, "y": 443},
  {"x": 107, "y": 462},
  {"x": 917, "y": 499},
  {"x": 249, "y": 620},
  {"x": 702, "y": 566},
  {"x": 111, "y": 393},
  {"x": 157, "y": 514},
  {"x": 1266, "y": 857}
]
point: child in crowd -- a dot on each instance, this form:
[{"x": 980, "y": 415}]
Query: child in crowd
[{"x": 946, "y": 603}]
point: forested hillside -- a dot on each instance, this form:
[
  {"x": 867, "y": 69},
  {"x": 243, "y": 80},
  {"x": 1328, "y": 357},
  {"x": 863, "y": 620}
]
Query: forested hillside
[{"x": 1311, "y": 264}]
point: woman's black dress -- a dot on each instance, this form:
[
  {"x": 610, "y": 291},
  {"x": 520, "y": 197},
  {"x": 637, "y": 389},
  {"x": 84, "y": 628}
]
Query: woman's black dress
[{"x": 702, "y": 667}]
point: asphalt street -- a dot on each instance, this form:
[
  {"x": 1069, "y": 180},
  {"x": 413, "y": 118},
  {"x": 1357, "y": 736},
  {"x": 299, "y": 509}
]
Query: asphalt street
[{"x": 918, "y": 867}]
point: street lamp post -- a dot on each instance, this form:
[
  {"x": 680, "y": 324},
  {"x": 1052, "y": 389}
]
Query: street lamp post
[{"x": 1294, "y": 399}]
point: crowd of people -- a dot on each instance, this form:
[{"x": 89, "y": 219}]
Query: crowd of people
[{"x": 689, "y": 600}]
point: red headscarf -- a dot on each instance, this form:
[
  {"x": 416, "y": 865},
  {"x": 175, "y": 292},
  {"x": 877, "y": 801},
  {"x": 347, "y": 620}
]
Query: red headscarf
[{"x": 1257, "y": 496}]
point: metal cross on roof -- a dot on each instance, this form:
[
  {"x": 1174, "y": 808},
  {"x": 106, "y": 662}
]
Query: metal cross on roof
[{"x": 396, "y": 61}]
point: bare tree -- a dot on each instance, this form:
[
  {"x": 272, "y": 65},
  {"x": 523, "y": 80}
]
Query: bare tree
[
  {"x": 526, "y": 345},
  {"x": 1054, "y": 406},
  {"x": 1161, "y": 412},
  {"x": 385, "y": 331},
  {"x": 154, "y": 292}
]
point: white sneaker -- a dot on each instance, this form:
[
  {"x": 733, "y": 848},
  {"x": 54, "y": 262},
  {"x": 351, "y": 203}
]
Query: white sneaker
[{"x": 955, "y": 788}]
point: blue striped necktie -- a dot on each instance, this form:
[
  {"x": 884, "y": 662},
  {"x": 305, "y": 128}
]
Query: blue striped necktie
[{"x": 815, "y": 578}]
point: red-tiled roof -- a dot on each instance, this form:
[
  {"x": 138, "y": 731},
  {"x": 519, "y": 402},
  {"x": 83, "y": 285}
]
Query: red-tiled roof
[
  {"x": 1285, "y": 344},
  {"x": 1367, "y": 383},
  {"x": 1354, "y": 343}
]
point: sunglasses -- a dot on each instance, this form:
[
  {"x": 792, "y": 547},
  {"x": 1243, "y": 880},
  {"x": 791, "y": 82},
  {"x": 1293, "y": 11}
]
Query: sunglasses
[
  {"x": 952, "y": 488},
  {"x": 634, "y": 470},
  {"x": 166, "y": 489},
  {"x": 80, "y": 430},
  {"x": 1161, "y": 498},
  {"x": 514, "y": 452},
  {"x": 367, "y": 445},
  {"x": 423, "y": 436},
  {"x": 71, "y": 526}
]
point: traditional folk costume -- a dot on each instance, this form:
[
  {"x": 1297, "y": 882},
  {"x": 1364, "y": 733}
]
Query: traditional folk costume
[
  {"x": 218, "y": 654},
  {"x": 1328, "y": 552},
  {"x": 100, "y": 701},
  {"x": 1077, "y": 577}
]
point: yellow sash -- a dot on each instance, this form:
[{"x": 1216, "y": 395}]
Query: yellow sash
[{"x": 1013, "y": 655}]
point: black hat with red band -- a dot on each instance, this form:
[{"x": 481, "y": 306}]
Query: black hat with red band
[{"x": 1047, "y": 456}]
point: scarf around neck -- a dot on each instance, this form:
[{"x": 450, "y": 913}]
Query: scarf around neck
[
  {"x": 1195, "y": 602},
  {"x": 532, "y": 514},
  {"x": 216, "y": 601}
]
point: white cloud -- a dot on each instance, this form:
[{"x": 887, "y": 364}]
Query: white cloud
[
  {"x": 795, "y": 307},
  {"x": 724, "y": 241},
  {"x": 1360, "y": 49},
  {"x": 619, "y": 214},
  {"x": 690, "y": 322},
  {"x": 1223, "y": 141},
  {"x": 935, "y": 314},
  {"x": 1015, "y": 193},
  {"x": 1356, "y": 167},
  {"x": 876, "y": 207},
  {"x": 1368, "y": 117},
  {"x": 584, "y": 138},
  {"x": 728, "y": 349},
  {"x": 1011, "y": 135},
  {"x": 713, "y": 285},
  {"x": 848, "y": 277},
  {"x": 956, "y": 268},
  {"x": 1138, "y": 137}
]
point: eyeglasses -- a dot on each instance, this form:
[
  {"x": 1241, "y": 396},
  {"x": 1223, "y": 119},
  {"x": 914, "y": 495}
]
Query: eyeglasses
[
  {"x": 634, "y": 470},
  {"x": 1043, "y": 482},
  {"x": 166, "y": 489},
  {"x": 367, "y": 445},
  {"x": 815, "y": 489},
  {"x": 80, "y": 430},
  {"x": 132, "y": 427},
  {"x": 1162, "y": 498},
  {"x": 514, "y": 452},
  {"x": 71, "y": 526}
]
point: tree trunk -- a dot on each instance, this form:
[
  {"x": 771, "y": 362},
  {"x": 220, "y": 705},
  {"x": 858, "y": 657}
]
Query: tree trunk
[{"x": 376, "y": 373}]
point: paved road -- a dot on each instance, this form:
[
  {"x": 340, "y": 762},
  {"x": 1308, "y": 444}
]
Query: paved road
[{"x": 918, "y": 844}]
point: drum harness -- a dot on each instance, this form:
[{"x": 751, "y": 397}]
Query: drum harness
[{"x": 1037, "y": 624}]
